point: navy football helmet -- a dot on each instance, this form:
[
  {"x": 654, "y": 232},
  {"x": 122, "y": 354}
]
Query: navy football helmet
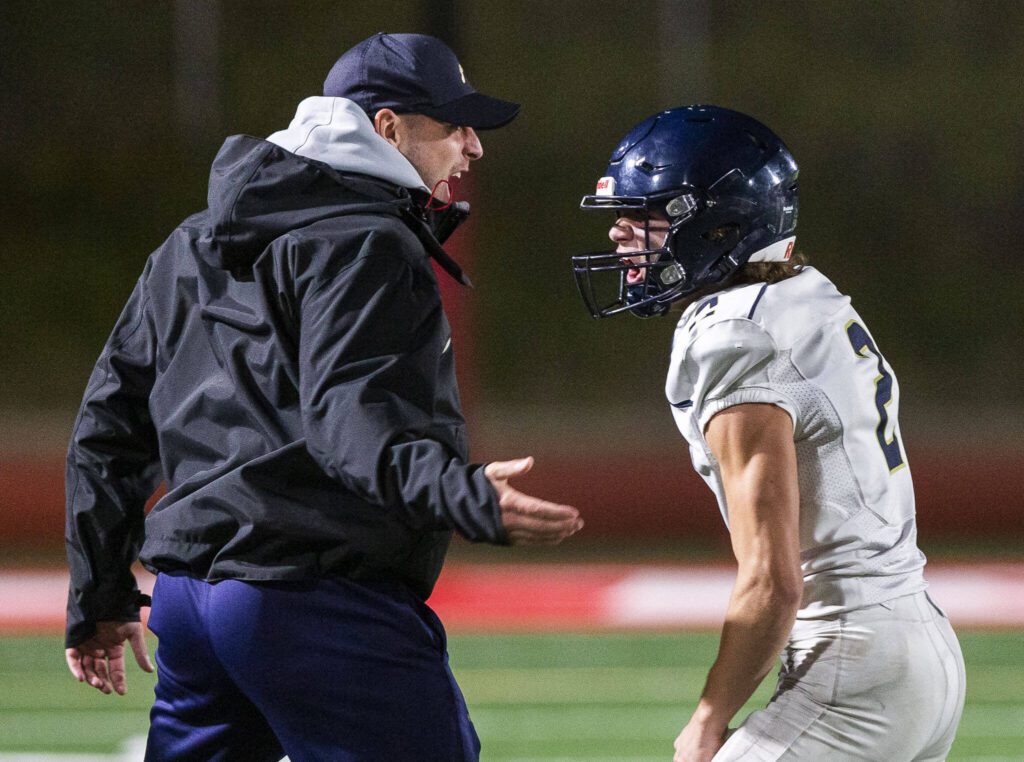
[{"x": 726, "y": 184}]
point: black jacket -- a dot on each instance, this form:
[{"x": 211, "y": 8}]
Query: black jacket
[{"x": 285, "y": 365}]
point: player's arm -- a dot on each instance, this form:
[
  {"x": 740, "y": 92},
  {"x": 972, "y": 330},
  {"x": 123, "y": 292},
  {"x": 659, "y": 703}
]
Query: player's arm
[{"x": 753, "y": 444}]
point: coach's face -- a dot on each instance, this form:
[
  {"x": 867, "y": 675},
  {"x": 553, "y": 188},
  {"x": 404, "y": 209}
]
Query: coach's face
[
  {"x": 628, "y": 235},
  {"x": 438, "y": 150}
]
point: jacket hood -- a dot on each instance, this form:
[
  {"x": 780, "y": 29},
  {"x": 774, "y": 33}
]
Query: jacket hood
[
  {"x": 339, "y": 133},
  {"x": 329, "y": 162}
]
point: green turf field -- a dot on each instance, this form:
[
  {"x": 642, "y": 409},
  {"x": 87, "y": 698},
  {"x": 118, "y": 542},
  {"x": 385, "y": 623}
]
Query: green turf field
[{"x": 593, "y": 697}]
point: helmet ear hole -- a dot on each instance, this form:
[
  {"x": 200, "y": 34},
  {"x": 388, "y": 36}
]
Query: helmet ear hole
[{"x": 721, "y": 233}]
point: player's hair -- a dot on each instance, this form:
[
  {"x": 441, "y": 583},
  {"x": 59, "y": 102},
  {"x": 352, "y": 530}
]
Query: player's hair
[
  {"x": 751, "y": 272},
  {"x": 768, "y": 272}
]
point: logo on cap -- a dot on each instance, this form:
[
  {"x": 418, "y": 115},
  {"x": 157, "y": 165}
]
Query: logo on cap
[{"x": 414, "y": 73}]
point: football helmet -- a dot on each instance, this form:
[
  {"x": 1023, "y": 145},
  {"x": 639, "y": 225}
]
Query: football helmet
[{"x": 726, "y": 184}]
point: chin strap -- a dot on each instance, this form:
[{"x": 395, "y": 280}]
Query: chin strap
[{"x": 433, "y": 195}]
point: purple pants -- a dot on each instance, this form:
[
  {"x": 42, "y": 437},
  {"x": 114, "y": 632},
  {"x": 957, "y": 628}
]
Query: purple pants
[{"x": 328, "y": 670}]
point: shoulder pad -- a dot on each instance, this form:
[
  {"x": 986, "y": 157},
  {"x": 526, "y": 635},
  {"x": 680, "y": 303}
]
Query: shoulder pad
[{"x": 716, "y": 359}]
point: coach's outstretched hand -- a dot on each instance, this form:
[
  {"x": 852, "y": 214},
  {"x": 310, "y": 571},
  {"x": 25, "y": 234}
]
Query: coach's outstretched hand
[
  {"x": 100, "y": 660},
  {"x": 529, "y": 520}
]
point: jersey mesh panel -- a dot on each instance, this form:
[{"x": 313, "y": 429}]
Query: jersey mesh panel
[{"x": 823, "y": 469}]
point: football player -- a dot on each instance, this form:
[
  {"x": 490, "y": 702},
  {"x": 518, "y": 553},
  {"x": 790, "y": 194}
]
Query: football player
[{"x": 790, "y": 411}]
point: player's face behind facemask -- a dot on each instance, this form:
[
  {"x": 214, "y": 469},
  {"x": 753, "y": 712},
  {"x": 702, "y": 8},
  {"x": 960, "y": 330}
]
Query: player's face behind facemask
[
  {"x": 641, "y": 264},
  {"x": 633, "y": 234}
]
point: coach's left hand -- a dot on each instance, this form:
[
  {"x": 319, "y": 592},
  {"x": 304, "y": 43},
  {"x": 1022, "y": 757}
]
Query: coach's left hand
[
  {"x": 529, "y": 520},
  {"x": 100, "y": 659}
]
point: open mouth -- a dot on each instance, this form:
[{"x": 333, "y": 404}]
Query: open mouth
[
  {"x": 634, "y": 274},
  {"x": 454, "y": 182}
]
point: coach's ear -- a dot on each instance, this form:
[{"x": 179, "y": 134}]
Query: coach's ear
[{"x": 385, "y": 124}]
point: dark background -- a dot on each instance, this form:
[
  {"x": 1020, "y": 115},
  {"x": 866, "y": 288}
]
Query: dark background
[{"x": 905, "y": 118}]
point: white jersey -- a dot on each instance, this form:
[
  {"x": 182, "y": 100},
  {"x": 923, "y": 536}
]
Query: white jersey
[{"x": 798, "y": 344}]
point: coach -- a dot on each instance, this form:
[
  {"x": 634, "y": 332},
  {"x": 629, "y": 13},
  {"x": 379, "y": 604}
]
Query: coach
[{"x": 285, "y": 365}]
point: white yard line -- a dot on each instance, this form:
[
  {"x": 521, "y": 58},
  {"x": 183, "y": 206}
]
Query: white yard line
[{"x": 132, "y": 750}]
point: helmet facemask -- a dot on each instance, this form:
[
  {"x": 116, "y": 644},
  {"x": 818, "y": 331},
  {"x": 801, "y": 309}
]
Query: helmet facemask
[{"x": 663, "y": 276}]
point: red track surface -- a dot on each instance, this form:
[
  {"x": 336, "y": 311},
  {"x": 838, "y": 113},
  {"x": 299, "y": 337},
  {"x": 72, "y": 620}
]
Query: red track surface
[{"x": 581, "y": 597}]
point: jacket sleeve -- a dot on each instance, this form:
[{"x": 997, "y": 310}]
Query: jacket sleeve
[
  {"x": 112, "y": 469},
  {"x": 371, "y": 339}
]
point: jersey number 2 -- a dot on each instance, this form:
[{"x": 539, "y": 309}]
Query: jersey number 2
[{"x": 862, "y": 344}]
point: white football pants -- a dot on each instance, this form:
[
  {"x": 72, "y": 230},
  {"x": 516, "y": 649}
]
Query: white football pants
[{"x": 884, "y": 683}]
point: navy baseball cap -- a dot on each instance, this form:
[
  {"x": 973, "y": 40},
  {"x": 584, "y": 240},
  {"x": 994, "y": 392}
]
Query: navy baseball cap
[{"x": 414, "y": 74}]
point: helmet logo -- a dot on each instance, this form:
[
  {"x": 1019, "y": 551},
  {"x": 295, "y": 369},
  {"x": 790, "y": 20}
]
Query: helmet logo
[
  {"x": 606, "y": 186},
  {"x": 780, "y": 251}
]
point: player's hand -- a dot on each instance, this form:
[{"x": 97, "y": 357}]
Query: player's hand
[
  {"x": 698, "y": 743},
  {"x": 529, "y": 520},
  {"x": 100, "y": 660}
]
